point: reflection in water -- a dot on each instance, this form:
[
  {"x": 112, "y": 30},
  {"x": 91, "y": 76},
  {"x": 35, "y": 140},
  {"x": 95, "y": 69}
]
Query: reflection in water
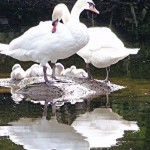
[
  {"x": 99, "y": 128},
  {"x": 102, "y": 127},
  {"x": 16, "y": 97},
  {"x": 43, "y": 134}
]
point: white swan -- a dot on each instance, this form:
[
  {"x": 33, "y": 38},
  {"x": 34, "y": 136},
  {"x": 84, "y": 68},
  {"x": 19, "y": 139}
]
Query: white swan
[
  {"x": 17, "y": 72},
  {"x": 40, "y": 45},
  {"x": 77, "y": 35},
  {"x": 104, "y": 49},
  {"x": 37, "y": 71}
]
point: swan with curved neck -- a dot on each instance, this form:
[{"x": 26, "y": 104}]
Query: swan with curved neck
[
  {"x": 79, "y": 6},
  {"x": 103, "y": 49},
  {"x": 40, "y": 45}
]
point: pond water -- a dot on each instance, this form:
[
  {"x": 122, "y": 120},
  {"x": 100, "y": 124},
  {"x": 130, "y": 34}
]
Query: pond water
[{"x": 118, "y": 121}]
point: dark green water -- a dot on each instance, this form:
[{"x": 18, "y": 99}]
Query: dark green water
[{"x": 132, "y": 104}]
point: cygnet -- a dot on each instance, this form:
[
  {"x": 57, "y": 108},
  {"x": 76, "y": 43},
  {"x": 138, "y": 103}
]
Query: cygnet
[
  {"x": 74, "y": 72},
  {"x": 79, "y": 73},
  {"x": 17, "y": 72},
  {"x": 37, "y": 71},
  {"x": 58, "y": 69}
]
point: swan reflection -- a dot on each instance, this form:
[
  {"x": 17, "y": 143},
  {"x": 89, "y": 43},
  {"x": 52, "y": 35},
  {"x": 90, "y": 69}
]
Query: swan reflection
[
  {"x": 16, "y": 97},
  {"x": 102, "y": 127},
  {"x": 43, "y": 134},
  {"x": 90, "y": 129}
]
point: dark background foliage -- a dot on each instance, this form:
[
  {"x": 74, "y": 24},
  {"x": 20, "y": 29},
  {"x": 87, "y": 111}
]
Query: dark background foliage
[{"x": 131, "y": 16}]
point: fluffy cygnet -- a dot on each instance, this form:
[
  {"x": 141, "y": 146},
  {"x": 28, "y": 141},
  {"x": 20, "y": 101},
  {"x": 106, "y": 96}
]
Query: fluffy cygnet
[
  {"x": 37, "y": 71},
  {"x": 17, "y": 72},
  {"x": 74, "y": 72},
  {"x": 66, "y": 72},
  {"x": 79, "y": 73},
  {"x": 58, "y": 69},
  {"x": 32, "y": 71}
]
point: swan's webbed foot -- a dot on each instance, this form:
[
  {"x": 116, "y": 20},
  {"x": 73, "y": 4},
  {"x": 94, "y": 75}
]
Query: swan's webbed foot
[
  {"x": 89, "y": 78},
  {"x": 49, "y": 82},
  {"x": 13, "y": 80},
  {"x": 106, "y": 81},
  {"x": 59, "y": 80},
  {"x": 54, "y": 81}
]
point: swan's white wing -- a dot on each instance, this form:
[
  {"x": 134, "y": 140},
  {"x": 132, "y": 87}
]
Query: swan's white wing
[
  {"x": 41, "y": 34},
  {"x": 102, "y": 37},
  {"x": 31, "y": 35},
  {"x": 108, "y": 56},
  {"x": 39, "y": 42}
]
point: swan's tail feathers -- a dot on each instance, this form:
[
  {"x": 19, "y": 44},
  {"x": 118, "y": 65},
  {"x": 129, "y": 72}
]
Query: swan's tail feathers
[
  {"x": 133, "y": 50},
  {"x": 4, "y": 47}
]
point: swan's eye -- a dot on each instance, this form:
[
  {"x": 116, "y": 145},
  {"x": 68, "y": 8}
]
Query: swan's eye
[{"x": 91, "y": 4}]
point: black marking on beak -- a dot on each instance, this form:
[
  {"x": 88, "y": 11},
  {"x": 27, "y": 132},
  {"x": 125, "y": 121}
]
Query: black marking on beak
[
  {"x": 91, "y": 4},
  {"x": 54, "y": 22}
]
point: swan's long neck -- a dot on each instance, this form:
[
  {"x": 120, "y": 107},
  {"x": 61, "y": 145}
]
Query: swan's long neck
[
  {"x": 61, "y": 11},
  {"x": 66, "y": 16},
  {"x": 76, "y": 11}
]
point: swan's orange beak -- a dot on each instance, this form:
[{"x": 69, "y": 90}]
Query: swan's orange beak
[
  {"x": 92, "y": 8},
  {"x": 54, "y": 24},
  {"x": 54, "y": 29}
]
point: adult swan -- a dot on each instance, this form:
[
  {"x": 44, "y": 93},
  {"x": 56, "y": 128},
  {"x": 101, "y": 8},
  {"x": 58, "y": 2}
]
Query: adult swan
[
  {"x": 104, "y": 49},
  {"x": 40, "y": 45}
]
